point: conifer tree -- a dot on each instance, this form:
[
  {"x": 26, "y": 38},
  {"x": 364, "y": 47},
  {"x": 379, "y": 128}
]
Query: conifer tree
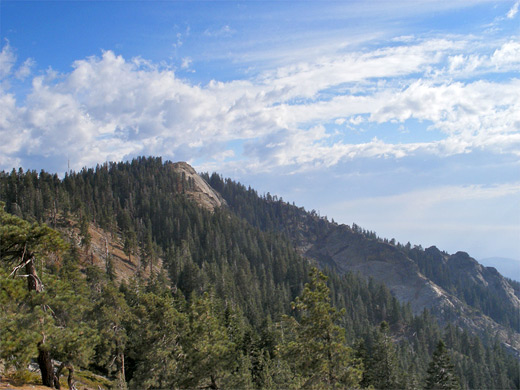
[
  {"x": 50, "y": 314},
  {"x": 315, "y": 345},
  {"x": 211, "y": 354},
  {"x": 111, "y": 311},
  {"x": 154, "y": 333},
  {"x": 381, "y": 364},
  {"x": 441, "y": 374}
]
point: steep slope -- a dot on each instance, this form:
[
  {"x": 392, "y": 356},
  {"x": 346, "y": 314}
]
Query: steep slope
[
  {"x": 482, "y": 288},
  {"x": 106, "y": 251},
  {"x": 348, "y": 251}
]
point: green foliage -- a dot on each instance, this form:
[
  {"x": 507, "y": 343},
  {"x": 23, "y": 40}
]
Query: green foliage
[
  {"x": 382, "y": 369},
  {"x": 22, "y": 240},
  {"x": 18, "y": 322},
  {"x": 450, "y": 272},
  {"x": 86, "y": 237},
  {"x": 315, "y": 345},
  {"x": 48, "y": 317},
  {"x": 155, "y": 332},
  {"x": 441, "y": 374},
  {"x": 23, "y": 376},
  {"x": 211, "y": 353}
]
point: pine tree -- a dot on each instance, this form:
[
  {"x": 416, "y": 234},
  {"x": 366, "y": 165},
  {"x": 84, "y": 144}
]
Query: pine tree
[
  {"x": 51, "y": 314},
  {"x": 441, "y": 374},
  {"x": 315, "y": 346},
  {"x": 381, "y": 364},
  {"x": 154, "y": 333},
  {"x": 20, "y": 244},
  {"x": 111, "y": 311},
  {"x": 211, "y": 354}
]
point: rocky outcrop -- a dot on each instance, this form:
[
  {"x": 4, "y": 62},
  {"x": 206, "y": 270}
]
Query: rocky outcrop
[
  {"x": 472, "y": 274},
  {"x": 199, "y": 191},
  {"x": 348, "y": 251},
  {"x": 345, "y": 250}
]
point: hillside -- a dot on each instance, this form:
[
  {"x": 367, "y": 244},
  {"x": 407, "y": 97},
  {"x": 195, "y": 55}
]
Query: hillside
[
  {"x": 455, "y": 288},
  {"x": 153, "y": 246}
]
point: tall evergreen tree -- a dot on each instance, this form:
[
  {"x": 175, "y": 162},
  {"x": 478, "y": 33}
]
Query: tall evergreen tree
[
  {"x": 154, "y": 346},
  {"x": 315, "y": 345},
  {"x": 211, "y": 354},
  {"x": 441, "y": 374},
  {"x": 381, "y": 364}
]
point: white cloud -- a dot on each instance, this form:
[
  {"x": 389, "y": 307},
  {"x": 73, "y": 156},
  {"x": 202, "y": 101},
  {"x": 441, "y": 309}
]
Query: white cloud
[
  {"x": 24, "y": 71},
  {"x": 513, "y": 11},
  {"x": 308, "y": 79},
  {"x": 224, "y": 31},
  {"x": 112, "y": 107},
  {"x": 12, "y": 133},
  {"x": 506, "y": 56},
  {"x": 186, "y": 62},
  {"x": 7, "y": 60}
]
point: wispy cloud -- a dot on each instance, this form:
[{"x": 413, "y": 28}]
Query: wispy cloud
[
  {"x": 186, "y": 63},
  {"x": 513, "y": 11},
  {"x": 224, "y": 31},
  {"x": 467, "y": 216}
]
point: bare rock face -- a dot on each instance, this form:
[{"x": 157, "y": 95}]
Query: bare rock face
[
  {"x": 348, "y": 251},
  {"x": 199, "y": 191}
]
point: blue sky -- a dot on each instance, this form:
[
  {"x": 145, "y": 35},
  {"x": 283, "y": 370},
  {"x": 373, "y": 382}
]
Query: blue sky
[{"x": 400, "y": 116}]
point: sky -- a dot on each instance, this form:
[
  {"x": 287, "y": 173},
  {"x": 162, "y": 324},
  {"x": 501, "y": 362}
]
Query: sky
[{"x": 400, "y": 116}]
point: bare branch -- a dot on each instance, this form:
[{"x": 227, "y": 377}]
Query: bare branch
[{"x": 21, "y": 265}]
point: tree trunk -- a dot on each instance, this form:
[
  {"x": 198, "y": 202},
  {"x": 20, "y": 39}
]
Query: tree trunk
[
  {"x": 121, "y": 381},
  {"x": 44, "y": 357},
  {"x": 46, "y": 367},
  {"x": 213, "y": 384},
  {"x": 70, "y": 377},
  {"x": 33, "y": 281},
  {"x": 106, "y": 255},
  {"x": 70, "y": 381}
]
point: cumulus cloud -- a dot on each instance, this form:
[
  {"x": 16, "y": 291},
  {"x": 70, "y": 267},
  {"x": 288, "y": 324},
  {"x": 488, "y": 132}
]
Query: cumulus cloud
[
  {"x": 109, "y": 107},
  {"x": 507, "y": 55}
]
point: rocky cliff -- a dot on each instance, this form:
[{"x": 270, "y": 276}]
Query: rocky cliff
[
  {"x": 345, "y": 250},
  {"x": 199, "y": 191}
]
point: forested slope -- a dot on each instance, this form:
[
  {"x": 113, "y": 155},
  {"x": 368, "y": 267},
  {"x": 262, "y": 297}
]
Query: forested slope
[
  {"x": 229, "y": 309},
  {"x": 454, "y": 287}
]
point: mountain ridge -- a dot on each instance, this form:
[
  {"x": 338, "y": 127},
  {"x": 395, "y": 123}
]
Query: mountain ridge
[
  {"x": 170, "y": 230},
  {"x": 508, "y": 267},
  {"x": 350, "y": 249}
]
